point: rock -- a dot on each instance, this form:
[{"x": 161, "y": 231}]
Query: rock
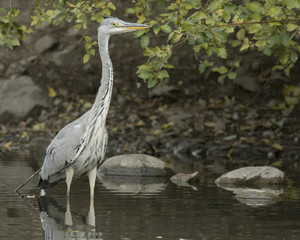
[
  {"x": 184, "y": 177},
  {"x": 185, "y": 180},
  {"x": 2, "y": 68},
  {"x": 20, "y": 97},
  {"x": 245, "y": 80},
  {"x": 257, "y": 197},
  {"x": 248, "y": 83},
  {"x": 133, "y": 184},
  {"x": 219, "y": 126},
  {"x": 20, "y": 67},
  {"x": 262, "y": 176},
  {"x": 45, "y": 43},
  {"x": 135, "y": 165},
  {"x": 164, "y": 89},
  {"x": 65, "y": 58},
  {"x": 256, "y": 194}
]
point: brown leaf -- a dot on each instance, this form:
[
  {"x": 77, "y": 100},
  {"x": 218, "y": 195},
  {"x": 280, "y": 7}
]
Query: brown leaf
[
  {"x": 39, "y": 126},
  {"x": 8, "y": 145},
  {"x": 51, "y": 92},
  {"x": 277, "y": 146},
  {"x": 209, "y": 124}
]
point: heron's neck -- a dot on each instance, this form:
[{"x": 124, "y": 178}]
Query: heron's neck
[
  {"x": 100, "y": 107},
  {"x": 106, "y": 84}
]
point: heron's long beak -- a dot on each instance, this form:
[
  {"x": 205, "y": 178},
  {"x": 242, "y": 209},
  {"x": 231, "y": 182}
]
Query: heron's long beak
[{"x": 135, "y": 26}]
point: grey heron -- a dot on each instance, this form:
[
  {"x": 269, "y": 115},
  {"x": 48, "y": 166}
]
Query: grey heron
[{"x": 79, "y": 147}]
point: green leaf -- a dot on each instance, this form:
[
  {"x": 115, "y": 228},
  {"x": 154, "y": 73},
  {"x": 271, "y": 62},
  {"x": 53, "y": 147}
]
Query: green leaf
[
  {"x": 214, "y": 6},
  {"x": 254, "y": 28},
  {"x": 293, "y": 56},
  {"x": 291, "y": 4},
  {"x": 291, "y": 100},
  {"x": 267, "y": 51},
  {"x": 229, "y": 30},
  {"x": 274, "y": 11},
  {"x": 260, "y": 43},
  {"x": 176, "y": 37},
  {"x": 86, "y": 58},
  {"x": 13, "y": 42},
  {"x": 245, "y": 45},
  {"x": 221, "y": 52},
  {"x": 143, "y": 74},
  {"x": 221, "y": 78},
  {"x": 35, "y": 20},
  {"x": 240, "y": 35},
  {"x": 235, "y": 43},
  {"x": 231, "y": 75},
  {"x": 69, "y": 18},
  {"x": 283, "y": 58},
  {"x": 291, "y": 27},
  {"x": 285, "y": 39},
  {"x": 130, "y": 10},
  {"x": 145, "y": 40},
  {"x": 273, "y": 40},
  {"x": 197, "y": 48},
  {"x": 198, "y": 16},
  {"x": 202, "y": 67},
  {"x": 151, "y": 83},
  {"x": 255, "y": 7},
  {"x": 59, "y": 7},
  {"x": 297, "y": 48},
  {"x": 221, "y": 70},
  {"x": 156, "y": 30},
  {"x": 163, "y": 74},
  {"x": 169, "y": 66},
  {"x": 166, "y": 28},
  {"x": 139, "y": 33}
]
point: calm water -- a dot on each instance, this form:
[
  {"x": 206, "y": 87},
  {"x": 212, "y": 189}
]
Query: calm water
[{"x": 137, "y": 209}]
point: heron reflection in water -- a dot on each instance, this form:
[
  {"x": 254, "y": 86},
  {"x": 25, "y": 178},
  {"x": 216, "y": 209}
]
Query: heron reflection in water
[
  {"x": 58, "y": 223},
  {"x": 79, "y": 148}
]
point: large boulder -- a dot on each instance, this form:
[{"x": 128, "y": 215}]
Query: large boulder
[
  {"x": 135, "y": 165},
  {"x": 262, "y": 176},
  {"x": 20, "y": 97}
]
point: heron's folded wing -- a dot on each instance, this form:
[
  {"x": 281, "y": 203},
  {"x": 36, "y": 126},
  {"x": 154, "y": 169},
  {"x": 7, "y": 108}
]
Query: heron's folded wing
[{"x": 62, "y": 149}]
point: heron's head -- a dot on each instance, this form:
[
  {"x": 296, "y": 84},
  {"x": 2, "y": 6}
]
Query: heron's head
[{"x": 112, "y": 25}]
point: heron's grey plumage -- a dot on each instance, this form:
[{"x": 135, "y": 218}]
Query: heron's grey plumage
[{"x": 81, "y": 144}]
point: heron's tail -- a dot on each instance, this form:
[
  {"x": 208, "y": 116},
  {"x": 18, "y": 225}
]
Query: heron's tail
[{"x": 42, "y": 183}]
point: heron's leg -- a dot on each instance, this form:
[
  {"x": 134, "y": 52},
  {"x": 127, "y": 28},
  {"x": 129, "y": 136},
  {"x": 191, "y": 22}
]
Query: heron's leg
[
  {"x": 68, "y": 215},
  {"x": 91, "y": 219},
  {"x": 92, "y": 179},
  {"x": 69, "y": 176}
]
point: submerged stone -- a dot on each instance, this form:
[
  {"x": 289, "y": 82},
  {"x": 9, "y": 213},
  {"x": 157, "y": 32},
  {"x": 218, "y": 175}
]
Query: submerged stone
[
  {"x": 256, "y": 194},
  {"x": 185, "y": 177},
  {"x": 262, "y": 176},
  {"x": 133, "y": 184},
  {"x": 256, "y": 197},
  {"x": 135, "y": 165}
]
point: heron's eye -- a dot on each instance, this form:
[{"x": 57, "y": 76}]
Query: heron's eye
[{"x": 114, "y": 24}]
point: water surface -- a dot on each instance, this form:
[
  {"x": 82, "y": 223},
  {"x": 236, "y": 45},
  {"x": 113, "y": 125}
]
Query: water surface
[{"x": 138, "y": 209}]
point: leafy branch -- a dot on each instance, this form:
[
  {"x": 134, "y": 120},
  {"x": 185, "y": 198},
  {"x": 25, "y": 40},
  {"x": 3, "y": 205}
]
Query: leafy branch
[{"x": 210, "y": 28}]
